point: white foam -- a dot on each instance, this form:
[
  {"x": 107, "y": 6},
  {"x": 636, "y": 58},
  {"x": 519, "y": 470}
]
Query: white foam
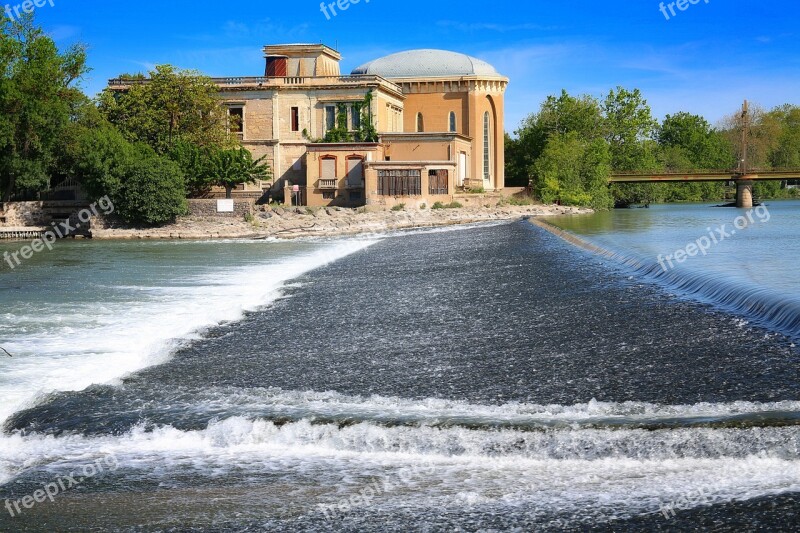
[
  {"x": 77, "y": 344},
  {"x": 446, "y": 465}
]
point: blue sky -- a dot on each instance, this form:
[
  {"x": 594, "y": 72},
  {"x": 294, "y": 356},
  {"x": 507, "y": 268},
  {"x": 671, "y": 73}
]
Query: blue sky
[{"x": 704, "y": 60}]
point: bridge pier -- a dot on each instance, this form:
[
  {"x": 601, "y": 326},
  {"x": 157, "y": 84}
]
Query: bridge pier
[{"x": 744, "y": 193}]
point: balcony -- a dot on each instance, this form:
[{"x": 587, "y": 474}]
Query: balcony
[{"x": 327, "y": 184}]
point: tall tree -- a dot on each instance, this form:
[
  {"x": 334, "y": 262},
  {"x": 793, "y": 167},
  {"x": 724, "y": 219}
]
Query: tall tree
[
  {"x": 786, "y": 154},
  {"x": 630, "y": 130},
  {"x": 703, "y": 147},
  {"x": 559, "y": 115},
  {"x": 171, "y": 106},
  {"x": 574, "y": 171},
  {"x": 37, "y": 95}
]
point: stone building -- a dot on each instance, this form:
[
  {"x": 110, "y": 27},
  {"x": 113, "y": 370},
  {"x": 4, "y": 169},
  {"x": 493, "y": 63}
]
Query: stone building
[{"x": 438, "y": 117}]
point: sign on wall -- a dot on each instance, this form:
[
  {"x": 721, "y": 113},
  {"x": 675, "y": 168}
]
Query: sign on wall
[{"x": 224, "y": 206}]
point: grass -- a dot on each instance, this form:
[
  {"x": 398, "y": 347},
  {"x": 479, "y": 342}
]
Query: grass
[
  {"x": 517, "y": 200},
  {"x": 451, "y": 205}
]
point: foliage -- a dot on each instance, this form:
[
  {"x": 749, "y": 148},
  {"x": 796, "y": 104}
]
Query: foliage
[
  {"x": 451, "y": 205},
  {"x": 399, "y": 207},
  {"x": 517, "y": 200},
  {"x": 569, "y": 148},
  {"x": 174, "y": 105},
  {"x": 786, "y": 153},
  {"x": 101, "y": 159},
  {"x": 152, "y": 192},
  {"x": 574, "y": 171},
  {"x": 197, "y": 164},
  {"x": 232, "y": 167},
  {"x": 37, "y": 95},
  {"x": 341, "y": 132},
  {"x": 689, "y": 143}
]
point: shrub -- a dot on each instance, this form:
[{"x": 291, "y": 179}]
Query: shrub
[
  {"x": 152, "y": 193},
  {"x": 477, "y": 190},
  {"x": 423, "y": 206},
  {"x": 451, "y": 205},
  {"x": 399, "y": 207},
  {"x": 518, "y": 200}
]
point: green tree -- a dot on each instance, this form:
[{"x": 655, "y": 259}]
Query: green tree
[
  {"x": 689, "y": 143},
  {"x": 197, "y": 164},
  {"x": 574, "y": 171},
  {"x": 233, "y": 167},
  {"x": 152, "y": 192},
  {"x": 557, "y": 116},
  {"x": 702, "y": 147},
  {"x": 786, "y": 154},
  {"x": 37, "y": 94},
  {"x": 172, "y": 105},
  {"x": 630, "y": 131}
]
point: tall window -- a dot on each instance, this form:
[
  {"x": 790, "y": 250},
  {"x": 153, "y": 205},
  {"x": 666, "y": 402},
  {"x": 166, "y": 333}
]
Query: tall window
[
  {"x": 295, "y": 119},
  {"x": 453, "y": 125},
  {"x": 330, "y": 117},
  {"x": 355, "y": 172},
  {"x": 356, "y": 118},
  {"x": 486, "y": 147},
  {"x": 236, "y": 121},
  {"x": 328, "y": 167},
  {"x": 420, "y": 123}
]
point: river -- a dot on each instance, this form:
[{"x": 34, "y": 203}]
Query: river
[{"x": 493, "y": 377}]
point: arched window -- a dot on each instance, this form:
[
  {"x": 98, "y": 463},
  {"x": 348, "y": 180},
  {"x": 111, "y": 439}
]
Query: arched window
[
  {"x": 486, "y": 147},
  {"x": 420, "y": 123},
  {"x": 453, "y": 125}
]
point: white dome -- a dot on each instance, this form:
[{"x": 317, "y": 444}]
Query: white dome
[{"x": 426, "y": 64}]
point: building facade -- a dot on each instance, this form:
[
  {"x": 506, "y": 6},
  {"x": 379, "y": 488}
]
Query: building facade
[{"x": 437, "y": 119}]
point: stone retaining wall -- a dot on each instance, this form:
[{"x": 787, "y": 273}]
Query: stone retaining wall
[
  {"x": 208, "y": 208},
  {"x": 21, "y": 214}
]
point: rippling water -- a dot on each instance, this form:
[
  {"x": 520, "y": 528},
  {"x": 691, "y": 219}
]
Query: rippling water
[
  {"x": 743, "y": 260},
  {"x": 493, "y": 377}
]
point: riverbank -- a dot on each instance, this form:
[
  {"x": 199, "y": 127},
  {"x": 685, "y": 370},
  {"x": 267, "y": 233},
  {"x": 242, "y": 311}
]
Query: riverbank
[{"x": 290, "y": 223}]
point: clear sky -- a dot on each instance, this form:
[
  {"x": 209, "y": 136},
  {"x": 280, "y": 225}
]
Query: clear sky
[{"x": 706, "y": 59}]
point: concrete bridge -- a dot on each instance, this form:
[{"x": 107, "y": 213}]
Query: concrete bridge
[{"x": 744, "y": 181}]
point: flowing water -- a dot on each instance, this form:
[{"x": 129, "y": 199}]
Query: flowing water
[{"x": 491, "y": 377}]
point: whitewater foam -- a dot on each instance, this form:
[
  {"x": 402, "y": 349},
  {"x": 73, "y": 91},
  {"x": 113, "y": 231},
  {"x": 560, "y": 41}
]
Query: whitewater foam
[{"x": 70, "y": 346}]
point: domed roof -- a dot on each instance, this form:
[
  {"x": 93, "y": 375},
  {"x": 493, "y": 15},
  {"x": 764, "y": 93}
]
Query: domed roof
[{"x": 426, "y": 64}]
